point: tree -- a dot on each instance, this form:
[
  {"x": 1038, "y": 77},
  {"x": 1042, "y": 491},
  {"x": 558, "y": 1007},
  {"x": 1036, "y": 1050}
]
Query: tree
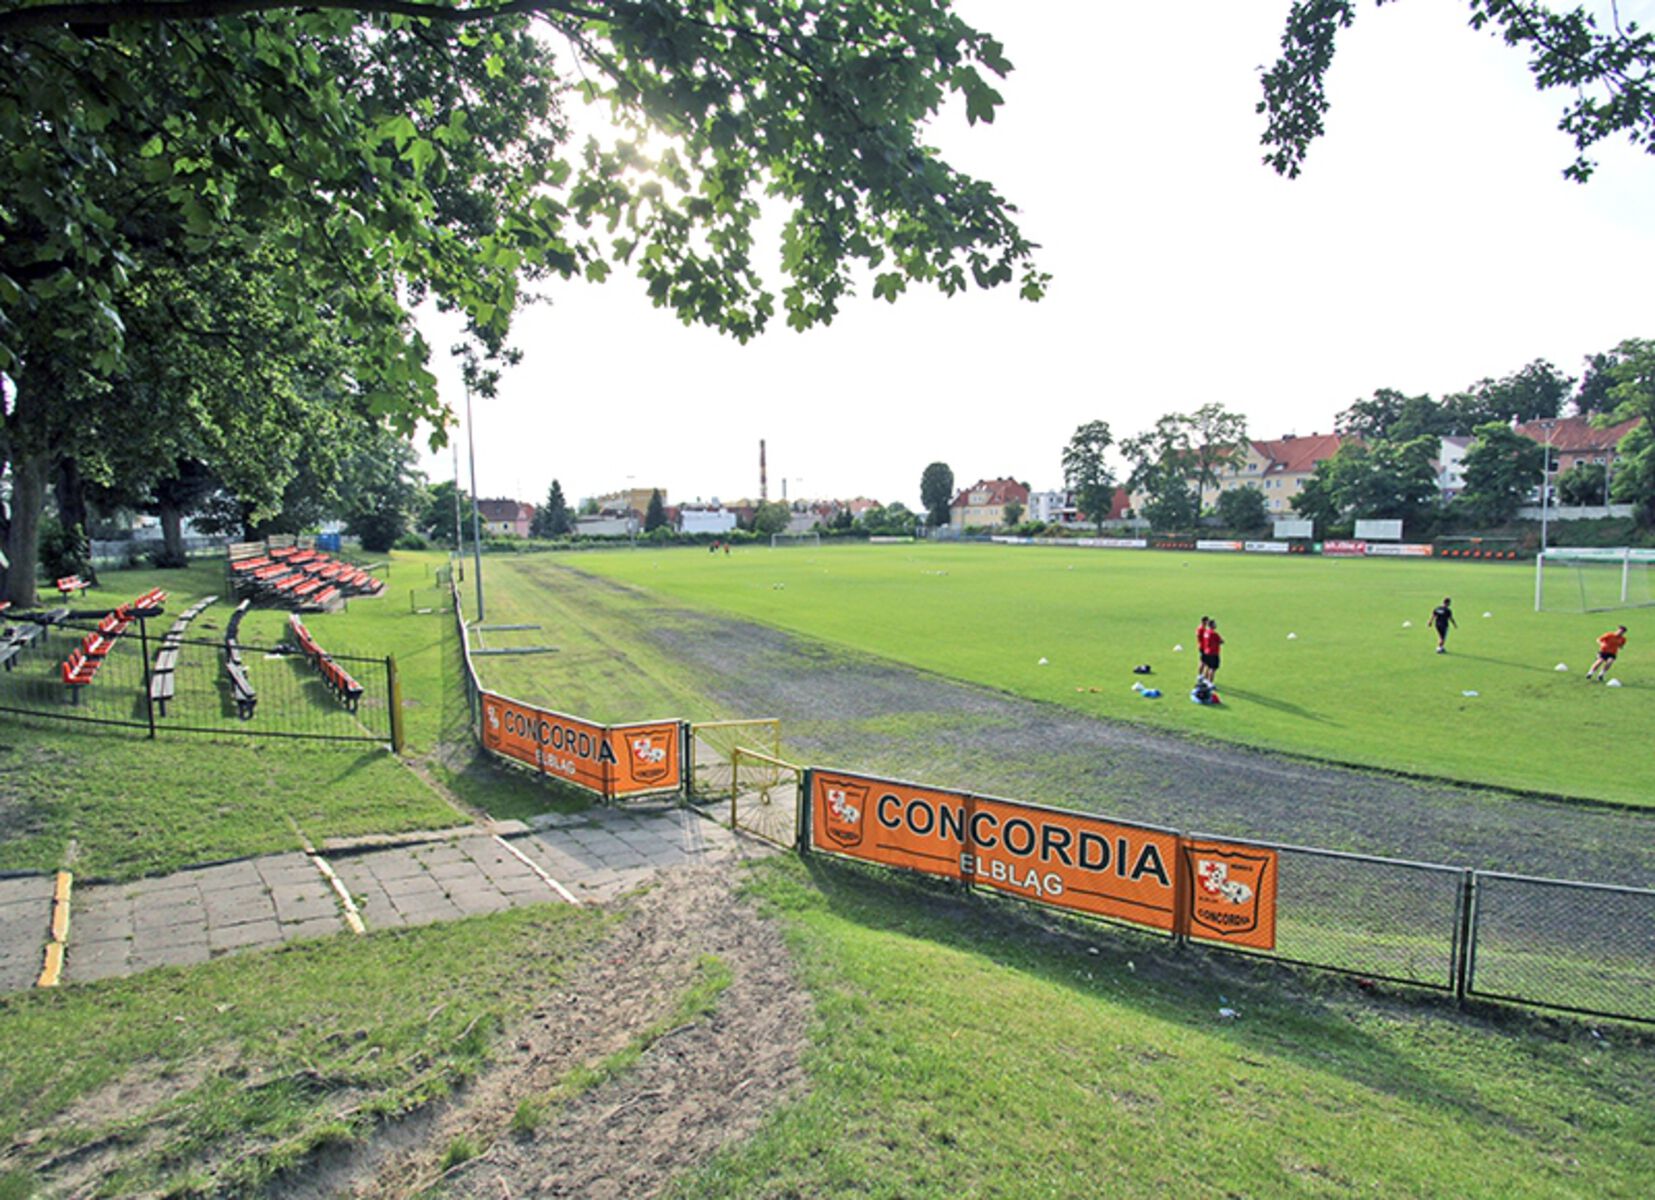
[
  {"x": 1371, "y": 419},
  {"x": 434, "y": 518},
  {"x": 1014, "y": 513},
  {"x": 1086, "y": 474},
  {"x": 1163, "y": 467},
  {"x": 394, "y": 151},
  {"x": 1242, "y": 509},
  {"x": 771, "y": 517},
  {"x": 892, "y": 521},
  {"x": 1610, "y": 76},
  {"x": 553, "y": 518},
  {"x": 1382, "y": 479},
  {"x": 936, "y": 492},
  {"x": 1537, "y": 392},
  {"x": 1584, "y": 483},
  {"x": 381, "y": 490},
  {"x": 655, "y": 515},
  {"x": 1633, "y": 395},
  {"x": 1216, "y": 437},
  {"x": 1501, "y": 468}
]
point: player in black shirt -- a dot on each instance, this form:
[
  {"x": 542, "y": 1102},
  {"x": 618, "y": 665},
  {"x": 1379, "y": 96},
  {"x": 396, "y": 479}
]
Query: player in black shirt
[{"x": 1442, "y": 616}]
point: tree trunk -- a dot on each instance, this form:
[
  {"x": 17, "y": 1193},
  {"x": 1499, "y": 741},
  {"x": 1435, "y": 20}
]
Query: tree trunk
[
  {"x": 70, "y": 489},
  {"x": 28, "y": 498},
  {"x": 172, "y": 529}
]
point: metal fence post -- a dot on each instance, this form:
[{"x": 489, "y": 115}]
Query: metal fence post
[
  {"x": 802, "y": 822},
  {"x": 1465, "y": 937},
  {"x": 149, "y": 690},
  {"x": 393, "y": 698}
]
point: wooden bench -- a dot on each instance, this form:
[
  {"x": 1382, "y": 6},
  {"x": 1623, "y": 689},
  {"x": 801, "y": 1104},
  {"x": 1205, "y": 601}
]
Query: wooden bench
[
  {"x": 241, "y": 689},
  {"x": 162, "y": 682},
  {"x": 339, "y": 681}
]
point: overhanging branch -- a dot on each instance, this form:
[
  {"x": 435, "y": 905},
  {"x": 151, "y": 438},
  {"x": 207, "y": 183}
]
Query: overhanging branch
[{"x": 116, "y": 12}]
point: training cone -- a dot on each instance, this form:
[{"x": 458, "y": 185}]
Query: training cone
[
  {"x": 1614, "y": 683},
  {"x": 1561, "y": 667},
  {"x": 1292, "y": 637},
  {"x": 1407, "y": 624},
  {"x": 1041, "y": 663},
  {"x": 1177, "y": 649},
  {"x": 1488, "y": 614}
]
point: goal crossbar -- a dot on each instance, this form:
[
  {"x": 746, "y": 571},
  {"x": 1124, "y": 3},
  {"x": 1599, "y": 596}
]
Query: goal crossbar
[{"x": 1620, "y": 575}]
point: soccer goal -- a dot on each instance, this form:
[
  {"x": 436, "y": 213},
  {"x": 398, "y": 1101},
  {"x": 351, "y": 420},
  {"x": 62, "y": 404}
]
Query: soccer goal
[
  {"x": 1592, "y": 580},
  {"x": 795, "y": 539}
]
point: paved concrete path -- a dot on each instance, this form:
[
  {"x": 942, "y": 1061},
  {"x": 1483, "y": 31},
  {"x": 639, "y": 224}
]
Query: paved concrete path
[{"x": 360, "y": 884}]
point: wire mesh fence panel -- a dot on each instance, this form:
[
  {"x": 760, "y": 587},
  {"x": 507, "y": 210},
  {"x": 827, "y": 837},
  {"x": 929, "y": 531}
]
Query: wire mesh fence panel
[
  {"x": 1577, "y": 946},
  {"x": 1383, "y": 918},
  {"x": 712, "y": 753},
  {"x": 764, "y": 796},
  {"x": 185, "y": 686}
]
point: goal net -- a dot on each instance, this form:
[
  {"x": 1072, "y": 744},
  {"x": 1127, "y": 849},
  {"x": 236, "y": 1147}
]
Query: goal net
[
  {"x": 795, "y": 539},
  {"x": 1595, "y": 580}
]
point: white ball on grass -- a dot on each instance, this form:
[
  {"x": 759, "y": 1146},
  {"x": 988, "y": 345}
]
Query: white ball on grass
[
  {"x": 1292, "y": 637},
  {"x": 1614, "y": 683},
  {"x": 1488, "y": 614},
  {"x": 1561, "y": 667},
  {"x": 1042, "y": 662},
  {"x": 1177, "y": 649},
  {"x": 1407, "y": 624}
]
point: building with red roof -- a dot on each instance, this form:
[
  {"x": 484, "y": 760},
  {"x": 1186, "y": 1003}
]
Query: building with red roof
[
  {"x": 984, "y": 503},
  {"x": 1574, "y": 440},
  {"x": 1277, "y": 468}
]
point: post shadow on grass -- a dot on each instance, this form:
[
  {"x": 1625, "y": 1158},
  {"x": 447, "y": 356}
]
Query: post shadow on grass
[{"x": 1178, "y": 983}]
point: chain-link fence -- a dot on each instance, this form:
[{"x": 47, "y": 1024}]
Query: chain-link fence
[
  {"x": 1382, "y": 918},
  {"x": 1582, "y": 947},
  {"x": 141, "y": 679}
]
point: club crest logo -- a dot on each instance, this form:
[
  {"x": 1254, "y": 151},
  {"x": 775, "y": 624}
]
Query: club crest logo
[
  {"x": 844, "y": 805},
  {"x": 651, "y": 754},
  {"x": 1227, "y": 887}
]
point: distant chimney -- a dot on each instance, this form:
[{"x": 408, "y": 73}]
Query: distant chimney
[{"x": 764, "y": 487}]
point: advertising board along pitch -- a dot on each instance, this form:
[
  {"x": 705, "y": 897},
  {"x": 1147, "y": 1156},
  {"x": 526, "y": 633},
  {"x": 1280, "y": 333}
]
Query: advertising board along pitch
[
  {"x": 1076, "y": 861},
  {"x": 620, "y": 760}
]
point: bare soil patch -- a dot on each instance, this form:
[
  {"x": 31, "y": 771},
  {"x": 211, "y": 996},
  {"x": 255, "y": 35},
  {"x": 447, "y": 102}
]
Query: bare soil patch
[{"x": 697, "y": 1088}]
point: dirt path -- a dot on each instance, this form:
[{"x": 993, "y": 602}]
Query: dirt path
[
  {"x": 701, "y": 1083},
  {"x": 844, "y": 709}
]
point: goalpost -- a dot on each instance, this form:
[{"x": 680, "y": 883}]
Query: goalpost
[
  {"x": 1592, "y": 580},
  {"x": 795, "y": 539}
]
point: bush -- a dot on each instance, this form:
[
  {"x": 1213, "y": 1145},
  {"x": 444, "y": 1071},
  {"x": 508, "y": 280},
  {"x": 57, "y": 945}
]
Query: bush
[
  {"x": 157, "y": 556},
  {"x": 412, "y": 541},
  {"x": 63, "y": 551}
]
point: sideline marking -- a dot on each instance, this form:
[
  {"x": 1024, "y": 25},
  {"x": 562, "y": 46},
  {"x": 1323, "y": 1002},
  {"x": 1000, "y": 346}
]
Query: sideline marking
[
  {"x": 539, "y": 870},
  {"x": 352, "y": 917},
  {"x": 51, "y": 970},
  {"x": 53, "y": 967}
]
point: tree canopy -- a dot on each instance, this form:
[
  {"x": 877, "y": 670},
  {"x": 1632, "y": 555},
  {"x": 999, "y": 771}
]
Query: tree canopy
[
  {"x": 1608, "y": 74},
  {"x": 936, "y": 492},
  {"x": 351, "y": 160},
  {"x": 1086, "y": 473}
]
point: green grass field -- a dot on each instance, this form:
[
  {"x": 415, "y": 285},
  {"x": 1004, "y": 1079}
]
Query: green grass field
[
  {"x": 1353, "y": 685},
  {"x": 957, "y": 1052}
]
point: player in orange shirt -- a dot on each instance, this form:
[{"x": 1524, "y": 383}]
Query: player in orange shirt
[{"x": 1609, "y": 645}]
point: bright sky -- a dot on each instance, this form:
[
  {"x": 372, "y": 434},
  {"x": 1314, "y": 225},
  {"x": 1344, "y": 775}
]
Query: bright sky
[{"x": 1431, "y": 241}]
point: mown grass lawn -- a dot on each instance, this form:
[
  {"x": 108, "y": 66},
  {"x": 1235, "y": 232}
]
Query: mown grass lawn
[
  {"x": 958, "y": 1050},
  {"x": 1355, "y": 682}
]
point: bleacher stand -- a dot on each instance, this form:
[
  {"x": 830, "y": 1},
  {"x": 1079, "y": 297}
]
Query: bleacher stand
[{"x": 282, "y": 572}]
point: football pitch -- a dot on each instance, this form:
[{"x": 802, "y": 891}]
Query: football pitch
[{"x": 1329, "y": 658}]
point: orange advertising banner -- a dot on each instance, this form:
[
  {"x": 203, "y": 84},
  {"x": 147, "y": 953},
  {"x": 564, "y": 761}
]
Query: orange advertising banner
[
  {"x": 620, "y": 760},
  {"x": 647, "y": 758},
  {"x": 1069, "y": 860},
  {"x": 1231, "y": 893},
  {"x": 574, "y": 750}
]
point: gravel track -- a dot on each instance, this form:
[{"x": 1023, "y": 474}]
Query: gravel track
[{"x": 841, "y": 708}]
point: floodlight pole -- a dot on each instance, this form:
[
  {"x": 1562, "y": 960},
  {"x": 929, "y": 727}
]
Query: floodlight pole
[
  {"x": 1545, "y": 490},
  {"x": 476, "y": 517}
]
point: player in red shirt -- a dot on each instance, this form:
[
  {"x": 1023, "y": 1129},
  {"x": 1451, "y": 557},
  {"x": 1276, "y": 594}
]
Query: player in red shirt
[{"x": 1609, "y": 645}]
